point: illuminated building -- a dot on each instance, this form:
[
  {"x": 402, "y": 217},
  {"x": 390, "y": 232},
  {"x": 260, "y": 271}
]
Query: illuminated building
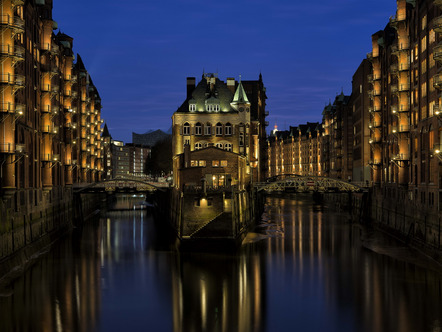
[
  {"x": 296, "y": 151},
  {"x": 405, "y": 118},
  {"x": 223, "y": 118},
  {"x": 337, "y": 140},
  {"x": 50, "y": 110}
]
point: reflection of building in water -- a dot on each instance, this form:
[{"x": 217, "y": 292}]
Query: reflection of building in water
[
  {"x": 376, "y": 288},
  {"x": 64, "y": 294},
  {"x": 218, "y": 293}
]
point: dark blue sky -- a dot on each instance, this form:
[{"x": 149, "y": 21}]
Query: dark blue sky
[{"x": 140, "y": 52}]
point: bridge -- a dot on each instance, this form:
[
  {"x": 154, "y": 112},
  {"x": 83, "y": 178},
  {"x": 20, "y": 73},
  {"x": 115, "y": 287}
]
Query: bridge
[
  {"x": 121, "y": 184},
  {"x": 300, "y": 183}
]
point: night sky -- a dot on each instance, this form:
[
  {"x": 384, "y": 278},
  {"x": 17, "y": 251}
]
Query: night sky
[{"x": 140, "y": 52}]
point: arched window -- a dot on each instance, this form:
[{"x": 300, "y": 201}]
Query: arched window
[
  {"x": 198, "y": 129},
  {"x": 186, "y": 129},
  {"x": 228, "y": 129},
  {"x": 219, "y": 129},
  {"x": 192, "y": 107},
  {"x": 228, "y": 147},
  {"x": 198, "y": 146},
  {"x": 219, "y": 145},
  {"x": 208, "y": 129}
]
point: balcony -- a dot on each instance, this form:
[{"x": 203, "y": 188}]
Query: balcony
[
  {"x": 437, "y": 24},
  {"x": 13, "y": 80},
  {"x": 400, "y": 129},
  {"x": 373, "y": 109},
  {"x": 12, "y": 22},
  {"x": 374, "y": 124},
  {"x": 374, "y": 93},
  {"x": 437, "y": 81},
  {"x": 12, "y": 108},
  {"x": 395, "y": 20},
  {"x": 375, "y": 162},
  {"x": 7, "y": 148},
  {"x": 404, "y": 87},
  {"x": 375, "y": 140},
  {"x": 49, "y": 129},
  {"x": 402, "y": 47},
  {"x": 401, "y": 157},
  {"x": 46, "y": 157},
  {"x": 17, "y": 53},
  {"x": 437, "y": 52}
]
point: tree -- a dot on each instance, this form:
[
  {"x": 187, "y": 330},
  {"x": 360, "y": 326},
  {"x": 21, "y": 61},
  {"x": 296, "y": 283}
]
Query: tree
[{"x": 159, "y": 161}]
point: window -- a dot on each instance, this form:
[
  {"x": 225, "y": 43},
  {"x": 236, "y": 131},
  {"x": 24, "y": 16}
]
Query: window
[
  {"x": 202, "y": 163},
  {"x": 198, "y": 129},
  {"x": 198, "y": 146},
  {"x": 219, "y": 129},
  {"x": 193, "y": 163},
  {"x": 212, "y": 108},
  {"x": 186, "y": 142},
  {"x": 186, "y": 129},
  {"x": 223, "y": 163},
  {"x": 192, "y": 107},
  {"x": 215, "y": 163},
  {"x": 219, "y": 145},
  {"x": 208, "y": 129},
  {"x": 228, "y": 129},
  {"x": 228, "y": 147}
]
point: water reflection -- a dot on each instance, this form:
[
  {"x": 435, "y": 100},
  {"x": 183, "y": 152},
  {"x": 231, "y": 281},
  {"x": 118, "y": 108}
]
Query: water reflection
[{"x": 304, "y": 268}]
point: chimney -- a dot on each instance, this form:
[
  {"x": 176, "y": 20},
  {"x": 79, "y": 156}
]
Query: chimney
[
  {"x": 186, "y": 156},
  {"x": 231, "y": 84},
  {"x": 190, "y": 86}
]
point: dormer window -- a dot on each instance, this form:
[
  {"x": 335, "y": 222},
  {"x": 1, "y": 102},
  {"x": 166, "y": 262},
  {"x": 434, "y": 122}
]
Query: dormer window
[
  {"x": 192, "y": 107},
  {"x": 212, "y": 108}
]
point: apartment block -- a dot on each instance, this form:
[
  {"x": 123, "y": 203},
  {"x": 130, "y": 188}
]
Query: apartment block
[
  {"x": 405, "y": 102},
  {"x": 50, "y": 114}
]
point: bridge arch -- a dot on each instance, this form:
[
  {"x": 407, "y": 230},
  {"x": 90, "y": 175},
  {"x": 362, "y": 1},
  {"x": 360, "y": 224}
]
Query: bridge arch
[
  {"x": 307, "y": 183},
  {"x": 119, "y": 183}
]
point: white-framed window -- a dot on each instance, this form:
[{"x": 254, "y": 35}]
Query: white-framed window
[
  {"x": 186, "y": 129},
  {"x": 228, "y": 147},
  {"x": 198, "y": 146},
  {"x": 192, "y": 107},
  {"x": 198, "y": 129},
  {"x": 219, "y": 145},
  {"x": 212, "y": 108},
  {"x": 208, "y": 129},
  {"x": 186, "y": 142},
  {"x": 228, "y": 129},
  {"x": 219, "y": 129}
]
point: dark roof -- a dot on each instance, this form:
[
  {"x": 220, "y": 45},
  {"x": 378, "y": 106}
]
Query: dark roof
[
  {"x": 106, "y": 132},
  {"x": 220, "y": 94}
]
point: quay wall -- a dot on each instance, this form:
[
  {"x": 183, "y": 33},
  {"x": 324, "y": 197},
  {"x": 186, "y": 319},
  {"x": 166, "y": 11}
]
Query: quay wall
[
  {"x": 396, "y": 215},
  {"x": 32, "y": 219}
]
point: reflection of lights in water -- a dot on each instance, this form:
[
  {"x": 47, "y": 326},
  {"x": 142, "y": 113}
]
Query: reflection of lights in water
[
  {"x": 77, "y": 291},
  {"x": 203, "y": 304},
  {"x": 58, "y": 316}
]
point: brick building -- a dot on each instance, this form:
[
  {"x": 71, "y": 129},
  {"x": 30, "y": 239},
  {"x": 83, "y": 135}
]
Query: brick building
[
  {"x": 50, "y": 126},
  {"x": 221, "y": 115}
]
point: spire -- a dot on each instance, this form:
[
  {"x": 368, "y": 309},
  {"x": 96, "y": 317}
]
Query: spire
[
  {"x": 240, "y": 95},
  {"x": 106, "y": 132}
]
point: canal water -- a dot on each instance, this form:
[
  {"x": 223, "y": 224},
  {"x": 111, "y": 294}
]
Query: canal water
[{"x": 304, "y": 268}]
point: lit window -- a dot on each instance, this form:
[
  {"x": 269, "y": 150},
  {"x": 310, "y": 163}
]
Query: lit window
[
  {"x": 228, "y": 129},
  {"x": 223, "y": 163},
  {"x": 193, "y": 163},
  {"x": 198, "y": 129},
  {"x": 208, "y": 129},
  {"x": 202, "y": 163},
  {"x": 186, "y": 129},
  {"x": 215, "y": 163},
  {"x": 219, "y": 129}
]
